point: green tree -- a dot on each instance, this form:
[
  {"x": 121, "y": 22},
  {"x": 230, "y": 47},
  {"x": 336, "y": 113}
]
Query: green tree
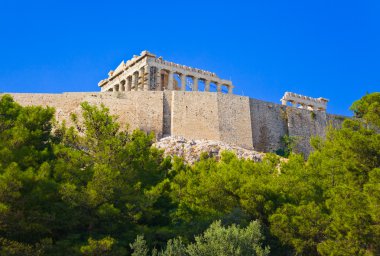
[
  {"x": 337, "y": 216},
  {"x": 91, "y": 188},
  {"x": 232, "y": 240},
  {"x": 215, "y": 241},
  {"x": 28, "y": 196},
  {"x": 74, "y": 183},
  {"x": 302, "y": 226},
  {"x": 139, "y": 247},
  {"x": 107, "y": 175},
  {"x": 103, "y": 247},
  {"x": 368, "y": 108}
]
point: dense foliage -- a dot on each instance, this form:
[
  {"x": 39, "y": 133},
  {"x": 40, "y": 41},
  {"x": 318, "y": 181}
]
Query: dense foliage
[{"x": 93, "y": 189}]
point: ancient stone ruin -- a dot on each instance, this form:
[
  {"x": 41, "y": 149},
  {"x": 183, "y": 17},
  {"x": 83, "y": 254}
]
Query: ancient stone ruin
[
  {"x": 304, "y": 102},
  {"x": 154, "y": 95},
  {"x": 149, "y": 73}
]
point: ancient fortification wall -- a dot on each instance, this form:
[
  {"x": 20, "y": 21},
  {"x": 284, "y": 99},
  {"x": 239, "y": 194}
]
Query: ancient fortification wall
[
  {"x": 269, "y": 125},
  {"x": 233, "y": 119},
  {"x": 304, "y": 124},
  {"x": 195, "y": 117},
  {"x": 138, "y": 109}
]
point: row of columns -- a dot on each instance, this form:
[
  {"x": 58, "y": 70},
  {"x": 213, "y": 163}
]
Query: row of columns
[
  {"x": 195, "y": 82},
  {"x": 140, "y": 80},
  {"x": 302, "y": 105}
]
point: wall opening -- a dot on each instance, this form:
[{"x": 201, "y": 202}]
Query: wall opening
[
  {"x": 201, "y": 85},
  {"x": 213, "y": 87},
  {"x": 164, "y": 79},
  {"x": 224, "y": 89},
  {"x": 122, "y": 86},
  {"x": 177, "y": 82},
  {"x": 189, "y": 83}
]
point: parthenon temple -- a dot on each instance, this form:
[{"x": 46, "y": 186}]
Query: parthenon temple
[
  {"x": 304, "y": 102},
  {"x": 149, "y": 73}
]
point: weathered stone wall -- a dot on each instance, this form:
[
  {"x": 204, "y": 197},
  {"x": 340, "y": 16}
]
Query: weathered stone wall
[
  {"x": 234, "y": 120},
  {"x": 195, "y": 115},
  {"x": 143, "y": 110},
  {"x": 271, "y": 122},
  {"x": 229, "y": 118},
  {"x": 303, "y": 125},
  {"x": 64, "y": 104},
  {"x": 140, "y": 109},
  {"x": 335, "y": 120},
  {"x": 269, "y": 125},
  {"x": 167, "y": 112}
]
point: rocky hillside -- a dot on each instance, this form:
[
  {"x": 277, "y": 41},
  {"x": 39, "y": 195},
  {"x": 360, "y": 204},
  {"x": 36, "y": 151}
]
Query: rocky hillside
[{"x": 191, "y": 150}]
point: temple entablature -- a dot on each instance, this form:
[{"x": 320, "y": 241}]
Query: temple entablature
[
  {"x": 146, "y": 72},
  {"x": 304, "y": 102}
]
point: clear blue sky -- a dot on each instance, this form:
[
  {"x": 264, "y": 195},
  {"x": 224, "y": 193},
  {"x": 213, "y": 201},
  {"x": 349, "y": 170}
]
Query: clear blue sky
[{"x": 317, "y": 48}]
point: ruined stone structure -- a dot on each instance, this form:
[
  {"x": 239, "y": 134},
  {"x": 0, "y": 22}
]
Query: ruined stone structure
[
  {"x": 232, "y": 119},
  {"x": 149, "y": 73},
  {"x": 304, "y": 102},
  {"x": 144, "y": 93}
]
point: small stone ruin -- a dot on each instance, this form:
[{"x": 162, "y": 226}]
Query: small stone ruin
[{"x": 304, "y": 102}]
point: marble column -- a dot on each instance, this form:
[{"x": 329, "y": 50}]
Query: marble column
[
  {"x": 230, "y": 89},
  {"x": 158, "y": 79},
  {"x": 183, "y": 82},
  {"x": 207, "y": 85},
  {"x": 195, "y": 84},
  {"x": 146, "y": 79},
  {"x": 218, "y": 87},
  {"x": 170, "y": 80},
  {"x": 141, "y": 79},
  {"x": 135, "y": 81},
  {"x": 129, "y": 83}
]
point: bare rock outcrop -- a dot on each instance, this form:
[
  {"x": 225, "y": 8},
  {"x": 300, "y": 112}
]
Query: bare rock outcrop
[{"x": 191, "y": 150}]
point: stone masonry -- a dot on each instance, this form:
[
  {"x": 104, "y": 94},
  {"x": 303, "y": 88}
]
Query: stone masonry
[
  {"x": 152, "y": 94},
  {"x": 232, "y": 119},
  {"x": 149, "y": 73},
  {"x": 304, "y": 102}
]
